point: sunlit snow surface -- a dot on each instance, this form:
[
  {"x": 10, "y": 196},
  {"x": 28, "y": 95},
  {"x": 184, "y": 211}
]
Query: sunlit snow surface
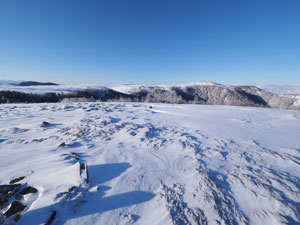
[{"x": 164, "y": 164}]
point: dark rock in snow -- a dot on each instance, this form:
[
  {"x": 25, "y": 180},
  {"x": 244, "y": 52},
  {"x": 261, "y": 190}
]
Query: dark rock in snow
[
  {"x": 28, "y": 190},
  {"x": 15, "y": 180},
  {"x": 14, "y": 208},
  {"x": 6, "y": 191},
  {"x": 77, "y": 157},
  {"x": 132, "y": 133},
  {"x": 51, "y": 218},
  {"x": 71, "y": 188},
  {"x": 44, "y": 124},
  {"x": 62, "y": 144},
  {"x": 87, "y": 173}
]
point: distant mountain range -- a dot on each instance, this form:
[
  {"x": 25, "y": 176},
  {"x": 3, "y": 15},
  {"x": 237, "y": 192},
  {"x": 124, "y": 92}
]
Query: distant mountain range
[
  {"x": 43, "y": 87},
  {"x": 207, "y": 93}
]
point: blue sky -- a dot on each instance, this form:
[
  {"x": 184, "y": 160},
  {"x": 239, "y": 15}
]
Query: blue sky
[{"x": 151, "y": 42}]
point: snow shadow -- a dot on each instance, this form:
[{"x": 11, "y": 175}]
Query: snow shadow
[
  {"x": 115, "y": 120},
  {"x": 50, "y": 125},
  {"x": 105, "y": 172},
  {"x": 75, "y": 144},
  {"x": 100, "y": 204},
  {"x": 91, "y": 202},
  {"x": 93, "y": 205}
]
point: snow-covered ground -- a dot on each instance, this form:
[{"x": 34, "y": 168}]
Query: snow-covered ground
[{"x": 128, "y": 163}]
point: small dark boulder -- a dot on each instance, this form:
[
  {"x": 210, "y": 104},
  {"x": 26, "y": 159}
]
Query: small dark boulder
[
  {"x": 15, "y": 207},
  {"x": 15, "y": 180},
  {"x": 62, "y": 144},
  {"x": 28, "y": 190},
  {"x": 132, "y": 133},
  {"x": 44, "y": 124},
  {"x": 77, "y": 157}
]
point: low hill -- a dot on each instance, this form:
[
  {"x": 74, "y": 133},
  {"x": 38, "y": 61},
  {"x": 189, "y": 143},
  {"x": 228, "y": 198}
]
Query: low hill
[{"x": 35, "y": 83}]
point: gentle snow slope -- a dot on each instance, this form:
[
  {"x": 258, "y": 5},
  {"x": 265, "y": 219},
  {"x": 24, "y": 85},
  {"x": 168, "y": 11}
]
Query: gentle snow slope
[{"x": 164, "y": 164}]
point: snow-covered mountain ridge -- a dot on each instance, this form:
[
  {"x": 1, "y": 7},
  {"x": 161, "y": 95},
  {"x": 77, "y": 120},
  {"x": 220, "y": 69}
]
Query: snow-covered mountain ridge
[
  {"x": 130, "y": 88},
  {"x": 197, "y": 93}
]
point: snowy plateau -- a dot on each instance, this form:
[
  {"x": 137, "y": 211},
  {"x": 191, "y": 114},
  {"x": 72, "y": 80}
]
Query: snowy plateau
[{"x": 148, "y": 163}]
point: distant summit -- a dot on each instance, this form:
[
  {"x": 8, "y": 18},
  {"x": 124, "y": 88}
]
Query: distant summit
[{"x": 35, "y": 83}]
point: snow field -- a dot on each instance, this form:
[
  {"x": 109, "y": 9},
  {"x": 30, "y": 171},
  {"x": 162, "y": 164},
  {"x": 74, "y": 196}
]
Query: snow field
[{"x": 164, "y": 164}]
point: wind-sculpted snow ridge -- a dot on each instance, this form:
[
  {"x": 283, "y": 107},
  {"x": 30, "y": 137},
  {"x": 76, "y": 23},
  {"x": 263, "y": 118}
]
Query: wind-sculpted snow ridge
[{"x": 137, "y": 163}]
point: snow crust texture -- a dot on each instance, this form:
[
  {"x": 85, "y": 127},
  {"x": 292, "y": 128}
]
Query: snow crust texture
[{"x": 137, "y": 163}]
